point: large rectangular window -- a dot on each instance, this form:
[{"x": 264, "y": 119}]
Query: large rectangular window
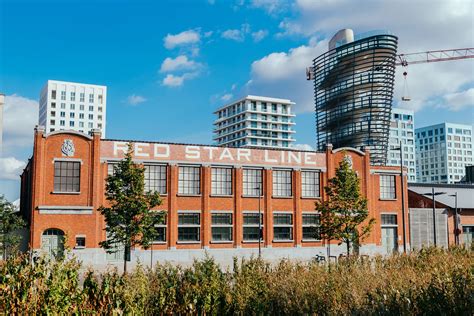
[
  {"x": 387, "y": 187},
  {"x": 221, "y": 181},
  {"x": 310, "y": 183},
  {"x": 310, "y": 225},
  {"x": 282, "y": 226},
  {"x": 252, "y": 182},
  {"x": 189, "y": 181},
  {"x": 189, "y": 226},
  {"x": 155, "y": 178},
  {"x": 282, "y": 183},
  {"x": 250, "y": 226},
  {"x": 161, "y": 230},
  {"x": 221, "y": 226},
  {"x": 67, "y": 175}
]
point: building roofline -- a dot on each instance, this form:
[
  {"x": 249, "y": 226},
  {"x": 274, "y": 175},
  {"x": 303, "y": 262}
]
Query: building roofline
[
  {"x": 262, "y": 98},
  {"x": 72, "y": 82},
  {"x": 441, "y": 185}
]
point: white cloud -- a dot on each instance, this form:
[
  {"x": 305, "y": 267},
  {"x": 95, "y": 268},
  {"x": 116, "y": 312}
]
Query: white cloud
[
  {"x": 419, "y": 25},
  {"x": 460, "y": 100},
  {"x": 236, "y": 35},
  {"x": 302, "y": 147},
  {"x": 272, "y": 7},
  {"x": 176, "y": 81},
  {"x": 135, "y": 99},
  {"x": 179, "y": 63},
  {"x": 20, "y": 116},
  {"x": 181, "y": 39},
  {"x": 11, "y": 168},
  {"x": 226, "y": 97},
  {"x": 259, "y": 35}
]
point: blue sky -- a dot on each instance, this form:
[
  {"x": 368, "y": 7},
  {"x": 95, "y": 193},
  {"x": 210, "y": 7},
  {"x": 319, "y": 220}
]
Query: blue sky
[{"x": 169, "y": 64}]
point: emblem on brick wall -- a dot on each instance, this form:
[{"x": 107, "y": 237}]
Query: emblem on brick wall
[
  {"x": 68, "y": 148},
  {"x": 348, "y": 159}
]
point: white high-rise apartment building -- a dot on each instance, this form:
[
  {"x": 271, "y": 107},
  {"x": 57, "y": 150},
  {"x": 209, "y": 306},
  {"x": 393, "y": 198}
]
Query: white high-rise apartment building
[
  {"x": 255, "y": 121},
  {"x": 442, "y": 152},
  {"x": 73, "y": 106},
  {"x": 402, "y": 129}
]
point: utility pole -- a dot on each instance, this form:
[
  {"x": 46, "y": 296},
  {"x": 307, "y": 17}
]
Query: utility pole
[
  {"x": 433, "y": 194},
  {"x": 259, "y": 222},
  {"x": 456, "y": 227},
  {"x": 403, "y": 199}
]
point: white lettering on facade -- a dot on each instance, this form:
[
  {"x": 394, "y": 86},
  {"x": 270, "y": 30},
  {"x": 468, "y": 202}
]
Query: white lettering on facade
[
  {"x": 211, "y": 150},
  {"x": 307, "y": 158},
  {"x": 226, "y": 154},
  {"x": 161, "y": 151},
  {"x": 139, "y": 150},
  {"x": 120, "y": 146},
  {"x": 294, "y": 156},
  {"x": 243, "y": 152},
  {"x": 267, "y": 158},
  {"x": 192, "y": 152}
]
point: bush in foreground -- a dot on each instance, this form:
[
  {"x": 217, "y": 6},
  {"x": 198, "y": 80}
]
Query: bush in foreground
[{"x": 432, "y": 281}]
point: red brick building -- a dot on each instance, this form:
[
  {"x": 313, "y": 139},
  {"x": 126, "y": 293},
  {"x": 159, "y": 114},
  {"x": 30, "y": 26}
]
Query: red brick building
[{"x": 210, "y": 195}]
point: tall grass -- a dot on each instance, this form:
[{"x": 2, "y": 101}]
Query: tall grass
[{"x": 432, "y": 281}]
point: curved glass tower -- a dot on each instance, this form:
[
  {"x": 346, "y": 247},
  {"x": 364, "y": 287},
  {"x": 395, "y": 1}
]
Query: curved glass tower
[{"x": 353, "y": 88}]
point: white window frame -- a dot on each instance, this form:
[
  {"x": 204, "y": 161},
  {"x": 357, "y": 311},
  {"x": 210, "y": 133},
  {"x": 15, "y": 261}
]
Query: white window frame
[
  {"x": 164, "y": 226},
  {"x": 159, "y": 182},
  {"x": 386, "y": 190},
  {"x": 303, "y": 225},
  {"x": 262, "y": 220},
  {"x": 221, "y": 181},
  {"x": 192, "y": 189},
  {"x": 229, "y": 226},
  {"x": 316, "y": 193},
  {"x": 280, "y": 188},
  {"x": 198, "y": 226},
  {"x": 388, "y": 225},
  {"x": 291, "y": 226},
  {"x": 251, "y": 188}
]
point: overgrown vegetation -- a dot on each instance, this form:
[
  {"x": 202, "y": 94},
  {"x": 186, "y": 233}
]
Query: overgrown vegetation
[
  {"x": 10, "y": 223},
  {"x": 432, "y": 281}
]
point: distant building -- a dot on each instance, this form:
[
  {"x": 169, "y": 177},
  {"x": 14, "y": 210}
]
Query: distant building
[
  {"x": 442, "y": 152},
  {"x": 72, "y": 106},
  {"x": 255, "y": 121},
  {"x": 353, "y": 88},
  {"x": 402, "y": 130}
]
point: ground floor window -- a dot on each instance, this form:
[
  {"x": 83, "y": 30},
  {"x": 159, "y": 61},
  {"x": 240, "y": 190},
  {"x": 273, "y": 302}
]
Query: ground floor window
[
  {"x": 189, "y": 226},
  {"x": 80, "y": 242},
  {"x": 250, "y": 226},
  {"x": 282, "y": 226},
  {"x": 221, "y": 226},
  {"x": 161, "y": 230},
  {"x": 389, "y": 233},
  {"x": 310, "y": 223}
]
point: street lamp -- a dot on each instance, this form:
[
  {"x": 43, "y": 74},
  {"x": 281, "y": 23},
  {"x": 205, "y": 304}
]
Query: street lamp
[
  {"x": 259, "y": 188},
  {"x": 403, "y": 198},
  {"x": 456, "y": 232},
  {"x": 433, "y": 194}
]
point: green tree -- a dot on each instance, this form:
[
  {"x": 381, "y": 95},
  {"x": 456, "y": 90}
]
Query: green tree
[
  {"x": 345, "y": 211},
  {"x": 129, "y": 217},
  {"x": 10, "y": 222}
]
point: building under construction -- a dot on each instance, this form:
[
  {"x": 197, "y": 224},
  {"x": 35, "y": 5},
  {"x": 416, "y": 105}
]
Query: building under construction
[{"x": 353, "y": 88}]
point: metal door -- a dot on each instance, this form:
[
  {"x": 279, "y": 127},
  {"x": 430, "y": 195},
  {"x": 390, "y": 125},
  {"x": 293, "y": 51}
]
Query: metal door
[{"x": 389, "y": 239}]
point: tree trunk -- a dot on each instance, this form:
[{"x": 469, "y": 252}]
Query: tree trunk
[{"x": 348, "y": 244}]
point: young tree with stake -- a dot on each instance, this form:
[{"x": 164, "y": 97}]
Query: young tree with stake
[
  {"x": 345, "y": 211},
  {"x": 129, "y": 216}
]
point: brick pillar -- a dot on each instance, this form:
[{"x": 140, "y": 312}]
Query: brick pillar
[
  {"x": 173, "y": 206},
  {"x": 297, "y": 216},
  {"x": 267, "y": 207},
  {"x": 205, "y": 211},
  {"x": 37, "y": 186},
  {"x": 238, "y": 220},
  {"x": 96, "y": 182}
]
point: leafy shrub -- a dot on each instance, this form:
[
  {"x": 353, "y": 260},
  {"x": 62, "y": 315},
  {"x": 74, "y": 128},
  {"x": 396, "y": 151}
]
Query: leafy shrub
[{"x": 431, "y": 281}]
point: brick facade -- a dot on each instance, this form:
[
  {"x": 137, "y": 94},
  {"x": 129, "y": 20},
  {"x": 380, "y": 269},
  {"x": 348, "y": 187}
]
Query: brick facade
[{"x": 76, "y": 213}]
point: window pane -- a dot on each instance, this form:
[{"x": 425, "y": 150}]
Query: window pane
[
  {"x": 155, "y": 178},
  {"x": 67, "y": 176},
  {"x": 252, "y": 219},
  {"x": 252, "y": 182},
  {"x": 189, "y": 181},
  {"x": 222, "y": 219},
  {"x": 282, "y": 182},
  {"x": 222, "y": 233},
  {"x": 221, "y": 181},
  {"x": 188, "y": 219},
  {"x": 310, "y": 183},
  {"x": 250, "y": 233},
  {"x": 387, "y": 187},
  {"x": 188, "y": 234},
  {"x": 282, "y": 219},
  {"x": 389, "y": 219},
  {"x": 282, "y": 233}
]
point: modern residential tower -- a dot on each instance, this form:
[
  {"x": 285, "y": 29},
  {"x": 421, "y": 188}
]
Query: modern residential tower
[
  {"x": 255, "y": 121},
  {"x": 442, "y": 152},
  {"x": 353, "y": 88},
  {"x": 72, "y": 106},
  {"x": 402, "y": 130}
]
